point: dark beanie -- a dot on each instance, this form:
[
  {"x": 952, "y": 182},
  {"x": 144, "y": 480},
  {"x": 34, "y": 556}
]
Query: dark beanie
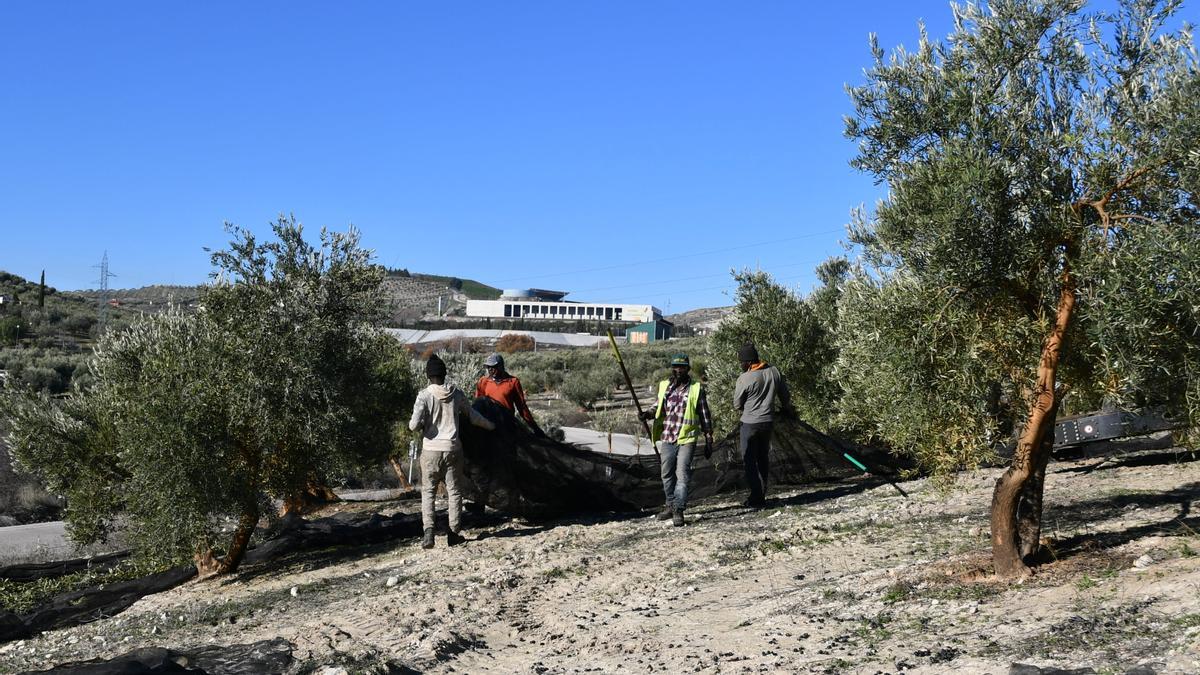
[
  {"x": 748, "y": 353},
  {"x": 435, "y": 367}
]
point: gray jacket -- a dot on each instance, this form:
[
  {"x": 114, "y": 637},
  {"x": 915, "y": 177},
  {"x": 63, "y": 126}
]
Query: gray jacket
[
  {"x": 437, "y": 411},
  {"x": 755, "y": 393}
]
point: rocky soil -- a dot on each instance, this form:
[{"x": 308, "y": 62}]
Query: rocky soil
[{"x": 838, "y": 578}]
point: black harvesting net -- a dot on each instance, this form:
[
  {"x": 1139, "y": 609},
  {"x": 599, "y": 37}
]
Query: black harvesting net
[{"x": 514, "y": 471}]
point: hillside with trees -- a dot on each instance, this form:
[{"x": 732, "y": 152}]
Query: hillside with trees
[{"x": 46, "y": 335}]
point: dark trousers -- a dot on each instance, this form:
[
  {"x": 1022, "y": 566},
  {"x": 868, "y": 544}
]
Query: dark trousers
[{"x": 755, "y": 446}]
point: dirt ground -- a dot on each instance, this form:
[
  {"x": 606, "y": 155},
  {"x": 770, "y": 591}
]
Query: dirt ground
[{"x": 837, "y": 578}]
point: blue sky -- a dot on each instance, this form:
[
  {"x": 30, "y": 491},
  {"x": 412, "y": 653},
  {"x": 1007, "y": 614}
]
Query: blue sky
[{"x": 623, "y": 151}]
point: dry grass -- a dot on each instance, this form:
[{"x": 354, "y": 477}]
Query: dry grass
[{"x": 23, "y": 500}]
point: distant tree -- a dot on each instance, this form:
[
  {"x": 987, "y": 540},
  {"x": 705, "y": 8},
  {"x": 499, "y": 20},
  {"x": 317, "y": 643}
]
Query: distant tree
[
  {"x": 1039, "y": 244},
  {"x": 195, "y": 418},
  {"x": 10, "y": 330},
  {"x": 42, "y": 290},
  {"x": 585, "y": 387},
  {"x": 456, "y": 283}
]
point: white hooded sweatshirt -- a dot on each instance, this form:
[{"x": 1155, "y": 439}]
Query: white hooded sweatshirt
[{"x": 437, "y": 412}]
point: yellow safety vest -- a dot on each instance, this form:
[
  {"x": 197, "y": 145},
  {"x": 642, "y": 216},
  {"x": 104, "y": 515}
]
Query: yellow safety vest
[{"x": 689, "y": 432}]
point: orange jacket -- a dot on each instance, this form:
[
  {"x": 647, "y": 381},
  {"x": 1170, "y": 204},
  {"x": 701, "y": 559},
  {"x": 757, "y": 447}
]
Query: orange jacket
[{"x": 507, "y": 392}]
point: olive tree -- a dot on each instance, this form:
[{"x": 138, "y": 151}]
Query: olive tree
[
  {"x": 793, "y": 332},
  {"x": 196, "y": 421},
  {"x": 1038, "y": 246}
]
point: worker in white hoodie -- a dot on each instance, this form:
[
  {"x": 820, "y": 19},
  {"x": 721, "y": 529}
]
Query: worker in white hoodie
[{"x": 438, "y": 412}]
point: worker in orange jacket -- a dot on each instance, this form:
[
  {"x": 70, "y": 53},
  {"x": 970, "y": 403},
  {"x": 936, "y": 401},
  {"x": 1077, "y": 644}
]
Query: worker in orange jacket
[{"x": 506, "y": 390}]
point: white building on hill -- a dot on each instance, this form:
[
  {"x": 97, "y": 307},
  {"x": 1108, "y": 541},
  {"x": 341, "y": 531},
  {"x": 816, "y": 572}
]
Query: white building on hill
[
  {"x": 535, "y": 303},
  {"x": 416, "y": 336}
]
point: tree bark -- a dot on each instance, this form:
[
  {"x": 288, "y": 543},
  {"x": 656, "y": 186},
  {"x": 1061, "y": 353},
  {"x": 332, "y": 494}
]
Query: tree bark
[
  {"x": 1023, "y": 479},
  {"x": 314, "y": 495},
  {"x": 206, "y": 563},
  {"x": 1029, "y": 504},
  {"x": 241, "y": 539},
  {"x": 399, "y": 469}
]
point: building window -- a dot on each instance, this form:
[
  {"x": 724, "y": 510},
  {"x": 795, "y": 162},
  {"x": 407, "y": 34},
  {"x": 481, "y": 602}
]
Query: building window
[
  {"x": 507, "y": 310},
  {"x": 516, "y": 310},
  {"x": 591, "y": 311},
  {"x": 618, "y": 314},
  {"x": 608, "y": 313}
]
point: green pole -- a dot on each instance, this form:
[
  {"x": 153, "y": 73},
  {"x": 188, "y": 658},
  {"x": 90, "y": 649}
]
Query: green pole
[
  {"x": 632, "y": 392},
  {"x": 862, "y": 467}
]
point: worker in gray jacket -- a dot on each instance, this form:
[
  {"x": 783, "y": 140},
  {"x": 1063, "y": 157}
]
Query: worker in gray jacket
[
  {"x": 754, "y": 397},
  {"x": 437, "y": 413}
]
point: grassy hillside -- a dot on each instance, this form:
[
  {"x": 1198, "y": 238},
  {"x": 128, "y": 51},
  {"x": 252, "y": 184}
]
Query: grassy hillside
[{"x": 470, "y": 288}]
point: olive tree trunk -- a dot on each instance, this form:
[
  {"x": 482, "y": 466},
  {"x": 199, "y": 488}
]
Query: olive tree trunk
[
  {"x": 207, "y": 563},
  {"x": 1017, "y": 498},
  {"x": 399, "y": 469},
  {"x": 1029, "y": 504},
  {"x": 315, "y": 494}
]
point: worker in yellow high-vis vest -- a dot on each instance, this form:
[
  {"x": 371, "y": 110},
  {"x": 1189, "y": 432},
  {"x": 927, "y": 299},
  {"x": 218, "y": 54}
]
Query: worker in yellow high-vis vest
[{"x": 679, "y": 418}]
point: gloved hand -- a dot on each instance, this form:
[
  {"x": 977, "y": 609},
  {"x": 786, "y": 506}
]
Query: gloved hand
[
  {"x": 537, "y": 431},
  {"x": 647, "y": 415}
]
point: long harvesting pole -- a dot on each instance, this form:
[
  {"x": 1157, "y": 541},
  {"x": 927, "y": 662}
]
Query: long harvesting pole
[{"x": 629, "y": 383}]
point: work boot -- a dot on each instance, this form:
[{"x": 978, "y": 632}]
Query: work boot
[
  {"x": 427, "y": 540},
  {"x": 677, "y": 518},
  {"x": 666, "y": 513},
  {"x": 454, "y": 538}
]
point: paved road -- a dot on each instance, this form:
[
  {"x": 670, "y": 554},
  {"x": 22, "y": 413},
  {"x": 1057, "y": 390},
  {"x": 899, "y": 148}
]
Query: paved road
[
  {"x": 48, "y": 541},
  {"x": 45, "y": 540},
  {"x": 597, "y": 441}
]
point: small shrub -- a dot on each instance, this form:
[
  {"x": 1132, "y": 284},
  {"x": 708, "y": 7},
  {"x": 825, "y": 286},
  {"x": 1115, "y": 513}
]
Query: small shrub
[
  {"x": 583, "y": 389},
  {"x": 514, "y": 342}
]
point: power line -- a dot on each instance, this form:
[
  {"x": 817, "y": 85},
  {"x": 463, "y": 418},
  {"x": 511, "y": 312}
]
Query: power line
[
  {"x": 729, "y": 286},
  {"x": 705, "y": 276},
  {"x": 670, "y": 258}
]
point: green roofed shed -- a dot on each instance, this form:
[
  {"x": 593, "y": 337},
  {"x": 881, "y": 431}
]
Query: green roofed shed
[{"x": 651, "y": 331}]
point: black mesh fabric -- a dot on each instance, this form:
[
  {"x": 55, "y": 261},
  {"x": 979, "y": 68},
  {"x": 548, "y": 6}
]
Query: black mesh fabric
[
  {"x": 259, "y": 658},
  {"x": 514, "y": 471}
]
